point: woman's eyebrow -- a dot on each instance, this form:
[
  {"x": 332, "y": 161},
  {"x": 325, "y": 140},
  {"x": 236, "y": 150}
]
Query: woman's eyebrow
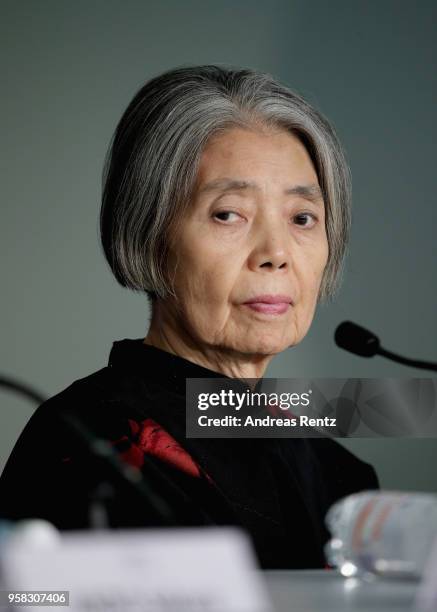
[{"x": 309, "y": 192}]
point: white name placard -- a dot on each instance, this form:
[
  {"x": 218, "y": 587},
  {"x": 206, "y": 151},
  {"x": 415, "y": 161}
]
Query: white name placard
[{"x": 153, "y": 570}]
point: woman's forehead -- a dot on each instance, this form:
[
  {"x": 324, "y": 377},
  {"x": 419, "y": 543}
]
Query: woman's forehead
[{"x": 242, "y": 160}]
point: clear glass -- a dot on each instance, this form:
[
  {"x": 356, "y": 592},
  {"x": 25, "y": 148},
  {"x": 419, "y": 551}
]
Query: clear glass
[{"x": 382, "y": 533}]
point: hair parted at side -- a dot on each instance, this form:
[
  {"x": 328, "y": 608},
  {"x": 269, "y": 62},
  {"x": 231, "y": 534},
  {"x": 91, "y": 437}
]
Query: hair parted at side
[{"x": 152, "y": 163}]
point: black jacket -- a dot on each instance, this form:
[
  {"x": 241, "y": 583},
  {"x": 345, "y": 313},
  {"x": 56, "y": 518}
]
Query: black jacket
[{"x": 277, "y": 489}]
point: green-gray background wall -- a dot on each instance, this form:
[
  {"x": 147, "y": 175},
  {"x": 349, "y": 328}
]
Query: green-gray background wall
[{"x": 69, "y": 70}]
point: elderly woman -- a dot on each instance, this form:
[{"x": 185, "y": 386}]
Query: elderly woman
[{"x": 226, "y": 200}]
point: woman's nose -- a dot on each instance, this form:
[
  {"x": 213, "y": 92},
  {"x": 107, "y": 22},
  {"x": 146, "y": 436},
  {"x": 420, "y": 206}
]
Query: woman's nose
[{"x": 271, "y": 250}]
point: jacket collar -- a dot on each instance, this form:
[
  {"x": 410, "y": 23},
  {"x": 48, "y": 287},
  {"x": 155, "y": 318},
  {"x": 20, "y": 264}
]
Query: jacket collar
[{"x": 134, "y": 356}]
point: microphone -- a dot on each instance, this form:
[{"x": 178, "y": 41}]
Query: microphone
[
  {"x": 6, "y": 382},
  {"x": 360, "y": 341},
  {"x": 162, "y": 501}
]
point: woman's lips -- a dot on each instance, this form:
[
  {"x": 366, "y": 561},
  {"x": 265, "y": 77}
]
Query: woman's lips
[{"x": 278, "y": 308}]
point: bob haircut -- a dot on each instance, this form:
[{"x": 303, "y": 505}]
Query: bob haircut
[{"x": 152, "y": 161}]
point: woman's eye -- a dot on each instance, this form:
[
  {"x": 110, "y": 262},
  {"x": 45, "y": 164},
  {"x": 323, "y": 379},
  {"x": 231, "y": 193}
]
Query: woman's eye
[
  {"x": 223, "y": 215},
  {"x": 305, "y": 220}
]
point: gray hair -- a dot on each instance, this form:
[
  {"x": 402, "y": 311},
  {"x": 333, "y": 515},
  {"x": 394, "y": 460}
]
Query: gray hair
[{"x": 152, "y": 162}]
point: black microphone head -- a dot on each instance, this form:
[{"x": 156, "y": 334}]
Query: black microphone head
[{"x": 355, "y": 339}]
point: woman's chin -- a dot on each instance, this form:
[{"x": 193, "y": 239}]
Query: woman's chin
[{"x": 262, "y": 346}]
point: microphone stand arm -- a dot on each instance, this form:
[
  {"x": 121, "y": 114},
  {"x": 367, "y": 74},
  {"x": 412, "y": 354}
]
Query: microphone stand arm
[{"x": 414, "y": 363}]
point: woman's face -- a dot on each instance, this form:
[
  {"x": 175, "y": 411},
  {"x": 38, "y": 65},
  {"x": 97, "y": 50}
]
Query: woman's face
[{"x": 255, "y": 227}]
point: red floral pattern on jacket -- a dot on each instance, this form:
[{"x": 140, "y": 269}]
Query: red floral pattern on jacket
[{"x": 148, "y": 437}]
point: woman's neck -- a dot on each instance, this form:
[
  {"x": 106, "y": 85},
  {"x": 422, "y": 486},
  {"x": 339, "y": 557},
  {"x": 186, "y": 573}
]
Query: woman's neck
[{"x": 164, "y": 333}]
